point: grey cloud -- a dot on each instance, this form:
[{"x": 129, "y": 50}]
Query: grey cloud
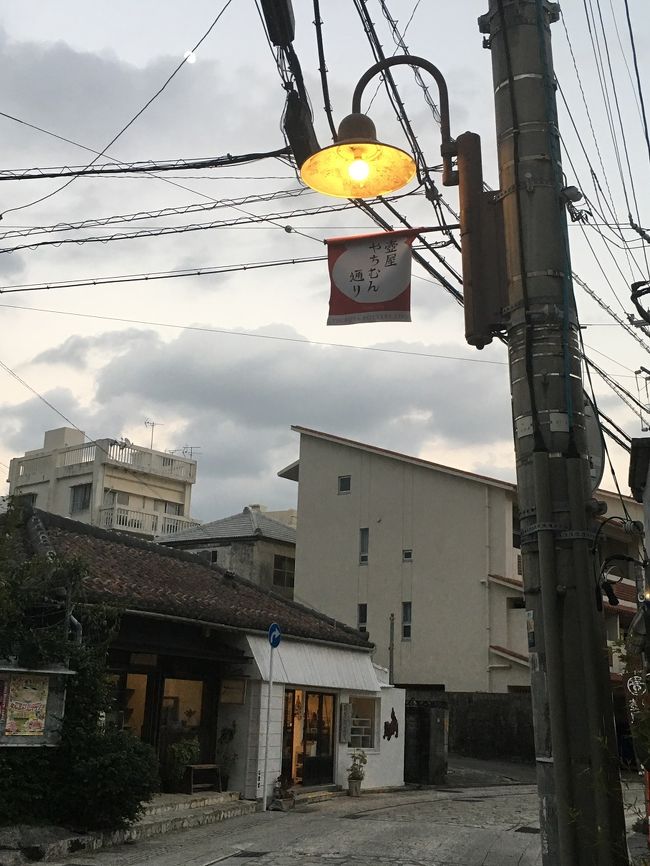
[{"x": 75, "y": 350}]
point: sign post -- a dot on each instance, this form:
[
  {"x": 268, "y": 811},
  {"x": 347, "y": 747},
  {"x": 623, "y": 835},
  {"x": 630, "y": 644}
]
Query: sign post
[{"x": 275, "y": 636}]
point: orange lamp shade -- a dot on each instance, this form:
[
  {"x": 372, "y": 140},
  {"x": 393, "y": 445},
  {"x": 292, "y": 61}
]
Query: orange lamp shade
[{"x": 357, "y": 165}]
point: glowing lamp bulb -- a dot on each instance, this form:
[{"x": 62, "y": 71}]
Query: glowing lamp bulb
[{"x": 359, "y": 169}]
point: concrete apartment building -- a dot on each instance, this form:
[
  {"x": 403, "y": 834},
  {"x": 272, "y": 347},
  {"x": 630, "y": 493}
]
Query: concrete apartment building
[
  {"x": 257, "y": 544},
  {"x": 106, "y": 483},
  {"x": 382, "y": 533}
]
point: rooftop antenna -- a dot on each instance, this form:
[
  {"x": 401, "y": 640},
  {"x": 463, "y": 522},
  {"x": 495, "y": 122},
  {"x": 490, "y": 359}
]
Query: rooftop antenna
[
  {"x": 149, "y": 422},
  {"x": 185, "y": 451}
]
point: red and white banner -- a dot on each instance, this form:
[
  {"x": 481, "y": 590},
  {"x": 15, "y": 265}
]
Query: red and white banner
[{"x": 370, "y": 277}]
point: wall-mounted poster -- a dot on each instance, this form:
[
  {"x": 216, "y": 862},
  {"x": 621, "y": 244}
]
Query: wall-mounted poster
[
  {"x": 233, "y": 691},
  {"x": 26, "y": 705}
]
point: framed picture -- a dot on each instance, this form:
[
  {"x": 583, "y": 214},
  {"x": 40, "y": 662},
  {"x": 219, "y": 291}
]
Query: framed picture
[{"x": 233, "y": 691}]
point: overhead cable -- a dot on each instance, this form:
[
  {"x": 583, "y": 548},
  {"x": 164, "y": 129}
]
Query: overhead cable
[
  {"x": 132, "y": 120},
  {"x": 146, "y": 166}
]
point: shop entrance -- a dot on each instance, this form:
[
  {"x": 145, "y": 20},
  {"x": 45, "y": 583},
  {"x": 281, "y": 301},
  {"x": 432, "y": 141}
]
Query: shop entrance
[{"x": 308, "y": 738}]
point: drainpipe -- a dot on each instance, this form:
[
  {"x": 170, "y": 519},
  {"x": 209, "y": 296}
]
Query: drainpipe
[
  {"x": 486, "y": 583},
  {"x": 391, "y": 650}
]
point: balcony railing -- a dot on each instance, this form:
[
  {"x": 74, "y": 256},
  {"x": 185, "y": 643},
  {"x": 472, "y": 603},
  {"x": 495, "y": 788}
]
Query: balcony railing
[
  {"x": 150, "y": 461},
  {"x": 143, "y": 522}
]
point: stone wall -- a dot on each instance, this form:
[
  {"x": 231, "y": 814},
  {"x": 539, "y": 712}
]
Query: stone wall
[{"x": 491, "y": 725}]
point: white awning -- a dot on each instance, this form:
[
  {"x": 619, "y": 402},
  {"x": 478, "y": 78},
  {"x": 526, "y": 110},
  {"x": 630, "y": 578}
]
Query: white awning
[{"x": 301, "y": 663}]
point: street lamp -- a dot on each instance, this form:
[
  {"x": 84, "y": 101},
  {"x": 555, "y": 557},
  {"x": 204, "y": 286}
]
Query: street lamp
[{"x": 357, "y": 165}]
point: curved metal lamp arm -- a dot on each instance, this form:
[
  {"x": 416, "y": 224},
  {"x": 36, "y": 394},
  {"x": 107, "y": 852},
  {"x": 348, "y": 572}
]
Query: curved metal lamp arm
[{"x": 448, "y": 148}]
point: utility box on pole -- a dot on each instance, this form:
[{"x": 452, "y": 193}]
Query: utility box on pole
[{"x": 581, "y": 810}]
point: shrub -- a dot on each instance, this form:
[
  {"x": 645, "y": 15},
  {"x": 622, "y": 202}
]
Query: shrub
[{"x": 106, "y": 778}]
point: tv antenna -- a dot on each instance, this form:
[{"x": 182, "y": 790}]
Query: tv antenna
[{"x": 149, "y": 422}]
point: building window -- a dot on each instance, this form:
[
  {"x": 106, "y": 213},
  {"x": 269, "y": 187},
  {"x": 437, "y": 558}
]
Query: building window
[
  {"x": 284, "y": 568},
  {"x": 407, "y": 556},
  {"x": 80, "y": 498},
  {"x": 516, "y": 602},
  {"x": 174, "y": 508},
  {"x": 362, "y": 617},
  {"x": 121, "y": 498},
  {"x": 362, "y": 729},
  {"x": 520, "y": 565},
  {"x": 345, "y": 483},
  {"x": 28, "y": 499},
  {"x": 364, "y": 538},
  {"x": 214, "y": 556},
  {"x": 406, "y": 620}
]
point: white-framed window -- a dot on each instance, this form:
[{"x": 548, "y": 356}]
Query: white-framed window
[
  {"x": 80, "y": 497},
  {"x": 362, "y": 617},
  {"x": 407, "y": 555},
  {"x": 406, "y": 620},
  {"x": 364, "y": 541},
  {"x": 345, "y": 483},
  {"x": 363, "y": 723},
  {"x": 284, "y": 569}
]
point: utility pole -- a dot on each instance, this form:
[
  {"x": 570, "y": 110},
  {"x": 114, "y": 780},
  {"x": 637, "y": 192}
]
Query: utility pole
[{"x": 581, "y": 810}]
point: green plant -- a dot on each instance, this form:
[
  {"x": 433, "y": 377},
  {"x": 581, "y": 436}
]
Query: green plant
[
  {"x": 178, "y": 756},
  {"x": 225, "y": 754},
  {"x": 92, "y": 780},
  {"x": 357, "y": 769},
  {"x": 107, "y": 780}
]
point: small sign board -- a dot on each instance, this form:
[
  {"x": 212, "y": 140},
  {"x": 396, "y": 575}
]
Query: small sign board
[{"x": 275, "y": 635}]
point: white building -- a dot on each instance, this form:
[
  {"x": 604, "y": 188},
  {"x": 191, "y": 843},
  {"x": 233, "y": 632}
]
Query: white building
[
  {"x": 382, "y": 534},
  {"x": 115, "y": 485}
]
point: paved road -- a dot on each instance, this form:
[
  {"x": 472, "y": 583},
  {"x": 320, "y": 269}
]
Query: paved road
[
  {"x": 487, "y": 815},
  {"x": 456, "y": 827}
]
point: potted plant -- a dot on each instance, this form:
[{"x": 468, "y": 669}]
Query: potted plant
[
  {"x": 283, "y": 797},
  {"x": 356, "y": 772},
  {"x": 178, "y": 755},
  {"x": 225, "y": 754}
]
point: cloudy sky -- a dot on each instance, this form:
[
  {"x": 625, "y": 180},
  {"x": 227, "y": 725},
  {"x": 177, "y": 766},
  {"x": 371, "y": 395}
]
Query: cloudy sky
[{"x": 228, "y": 362}]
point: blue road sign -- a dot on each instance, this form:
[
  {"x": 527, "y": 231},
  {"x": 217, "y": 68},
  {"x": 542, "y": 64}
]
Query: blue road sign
[{"x": 275, "y": 635}]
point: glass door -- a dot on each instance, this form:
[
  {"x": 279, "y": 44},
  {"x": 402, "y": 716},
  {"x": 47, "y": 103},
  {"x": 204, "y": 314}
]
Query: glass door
[{"x": 318, "y": 751}]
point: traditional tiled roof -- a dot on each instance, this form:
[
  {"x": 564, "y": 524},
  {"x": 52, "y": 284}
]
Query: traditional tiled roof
[
  {"x": 250, "y": 523},
  {"x": 142, "y": 576}
]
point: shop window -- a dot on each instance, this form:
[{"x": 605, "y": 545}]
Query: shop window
[
  {"x": 80, "y": 498},
  {"x": 181, "y": 705},
  {"x": 345, "y": 483},
  {"x": 362, "y": 729},
  {"x": 364, "y": 540},
  {"x": 362, "y": 617},
  {"x": 284, "y": 569},
  {"x": 406, "y": 620}
]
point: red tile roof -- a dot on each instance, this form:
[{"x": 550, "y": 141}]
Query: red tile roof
[{"x": 141, "y": 575}]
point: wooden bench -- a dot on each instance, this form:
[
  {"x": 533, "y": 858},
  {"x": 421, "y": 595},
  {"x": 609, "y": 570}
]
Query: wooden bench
[{"x": 203, "y": 777}]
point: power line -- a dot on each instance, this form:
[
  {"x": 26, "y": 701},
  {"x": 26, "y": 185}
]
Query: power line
[
  {"x": 139, "y": 167},
  {"x": 638, "y": 77},
  {"x": 273, "y": 337},
  {"x": 163, "y": 231},
  {"x": 159, "y": 275},
  {"x": 181, "y": 210},
  {"x": 131, "y": 121}
]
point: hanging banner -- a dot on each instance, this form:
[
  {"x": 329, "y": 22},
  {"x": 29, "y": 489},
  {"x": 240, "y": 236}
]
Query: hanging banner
[
  {"x": 370, "y": 277},
  {"x": 26, "y": 705}
]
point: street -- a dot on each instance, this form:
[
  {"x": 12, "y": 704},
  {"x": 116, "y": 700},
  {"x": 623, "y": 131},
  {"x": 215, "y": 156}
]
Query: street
[{"x": 487, "y": 815}]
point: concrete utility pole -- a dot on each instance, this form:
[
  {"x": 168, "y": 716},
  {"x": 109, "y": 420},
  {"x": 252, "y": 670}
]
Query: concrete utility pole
[{"x": 581, "y": 809}]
